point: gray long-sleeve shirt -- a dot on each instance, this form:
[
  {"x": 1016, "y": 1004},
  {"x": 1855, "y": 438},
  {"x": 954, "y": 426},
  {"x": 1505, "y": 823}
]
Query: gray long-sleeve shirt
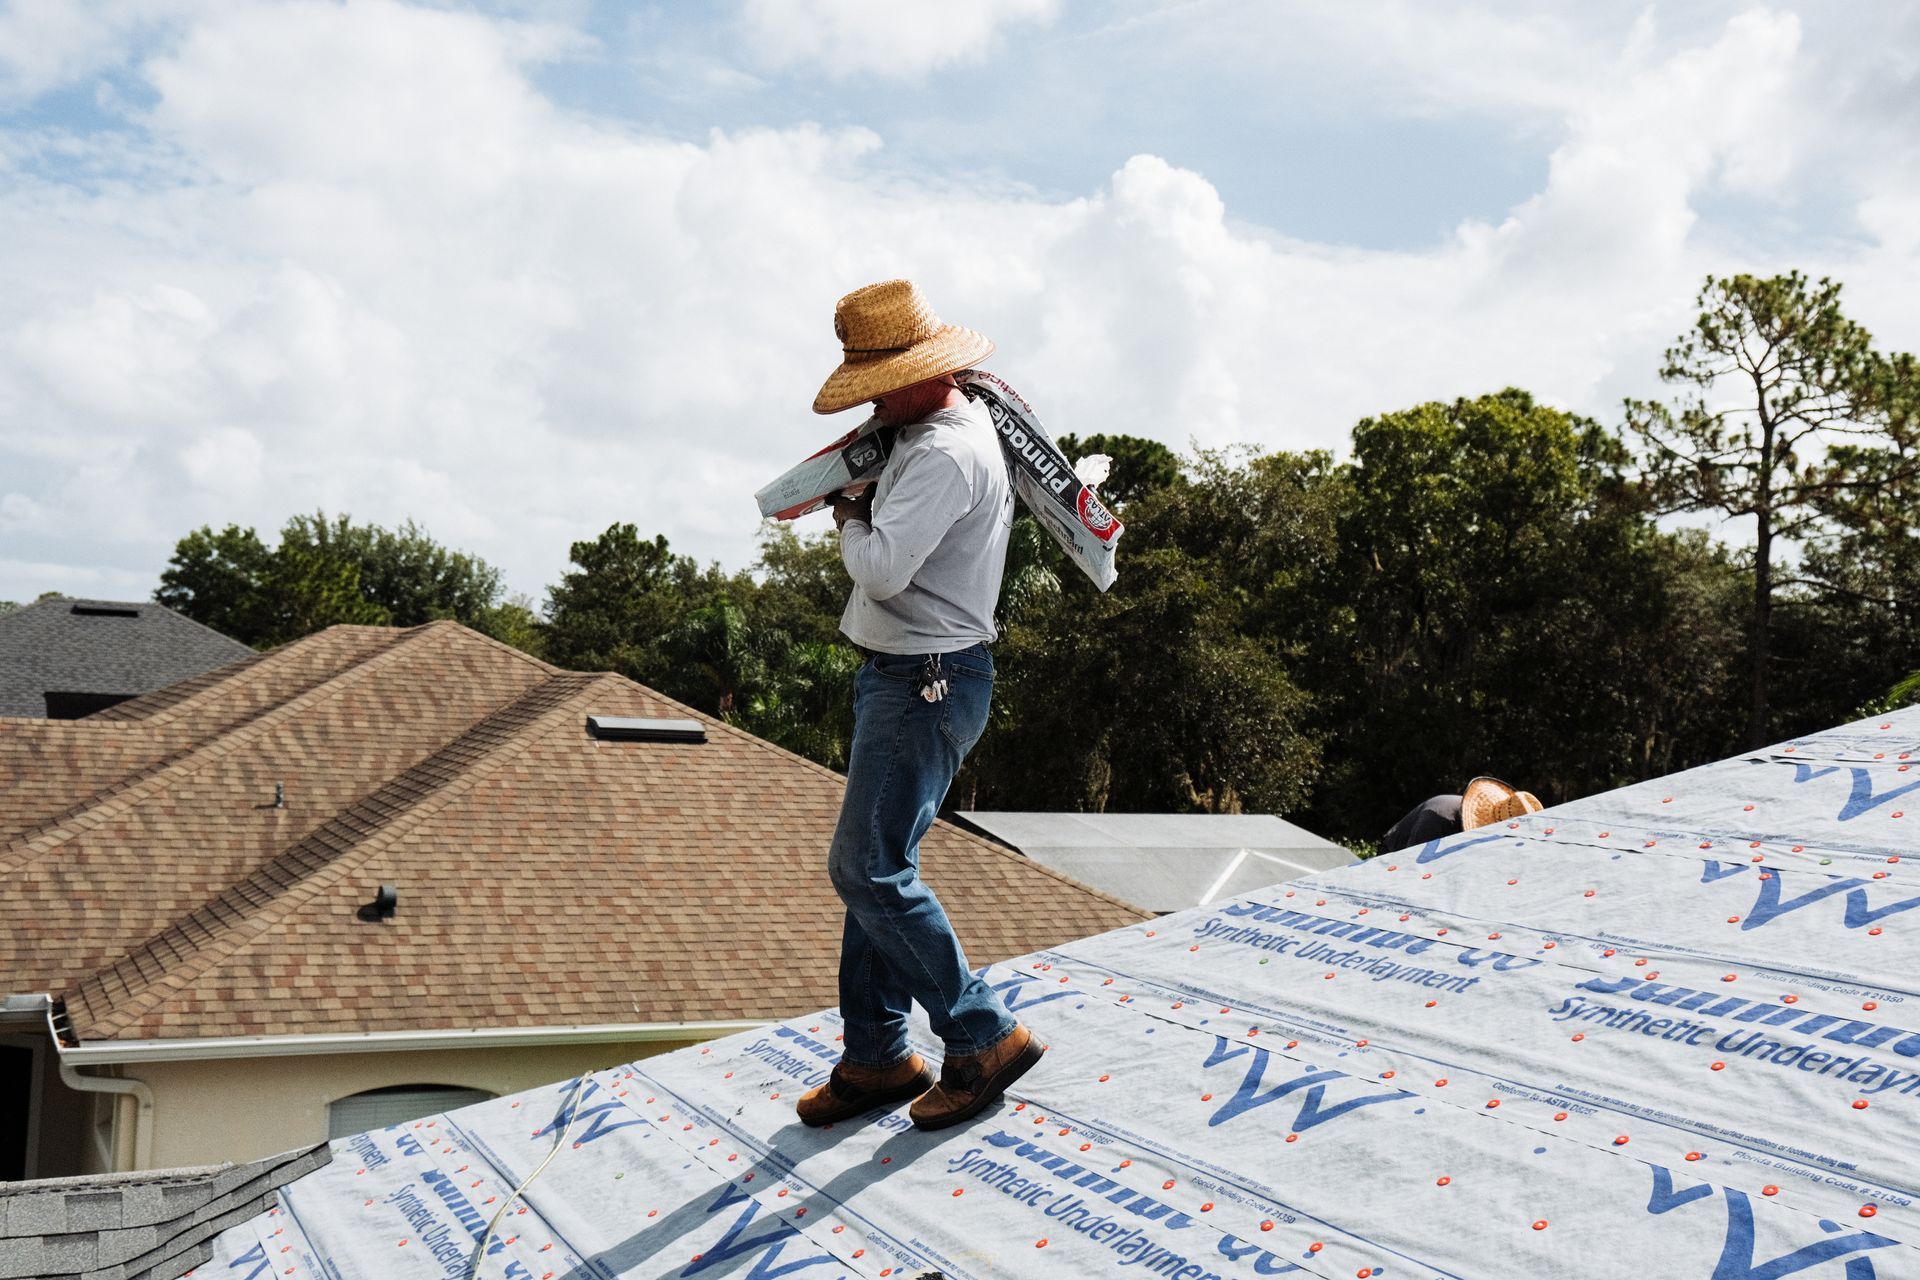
[{"x": 926, "y": 570}]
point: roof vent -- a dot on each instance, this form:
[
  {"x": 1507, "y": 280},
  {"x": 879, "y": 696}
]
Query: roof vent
[
  {"x": 105, "y": 611},
  {"x": 382, "y": 907},
  {"x": 628, "y": 729}
]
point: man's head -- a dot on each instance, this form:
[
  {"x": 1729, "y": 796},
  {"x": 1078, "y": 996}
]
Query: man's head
[
  {"x": 894, "y": 351},
  {"x": 910, "y": 404}
]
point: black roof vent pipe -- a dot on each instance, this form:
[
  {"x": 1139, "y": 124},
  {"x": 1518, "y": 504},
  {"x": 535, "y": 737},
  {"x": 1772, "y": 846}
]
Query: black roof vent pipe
[{"x": 382, "y": 907}]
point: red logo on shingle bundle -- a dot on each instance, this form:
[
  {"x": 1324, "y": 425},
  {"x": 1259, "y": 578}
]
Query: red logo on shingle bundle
[{"x": 1096, "y": 517}]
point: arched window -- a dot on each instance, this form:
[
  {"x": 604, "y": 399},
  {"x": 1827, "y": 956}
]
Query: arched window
[{"x": 396, "y": 1104}]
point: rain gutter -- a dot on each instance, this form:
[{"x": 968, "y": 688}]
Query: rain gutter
[
  {"x": 200, "y": 1048},
  {"x": 39, "y": 1008}
]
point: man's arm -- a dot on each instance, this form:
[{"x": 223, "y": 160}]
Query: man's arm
[{"x": 883, "y": 549}]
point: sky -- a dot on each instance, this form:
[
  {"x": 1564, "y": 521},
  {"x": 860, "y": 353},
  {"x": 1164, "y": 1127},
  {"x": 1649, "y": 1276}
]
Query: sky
[{"x": 518, "y": 271}]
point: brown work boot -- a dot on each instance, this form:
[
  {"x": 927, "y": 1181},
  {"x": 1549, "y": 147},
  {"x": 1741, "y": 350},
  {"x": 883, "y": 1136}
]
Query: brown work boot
[
  {"x": 851, "y": 1090},
  {"x": 969, "y": 1083}
]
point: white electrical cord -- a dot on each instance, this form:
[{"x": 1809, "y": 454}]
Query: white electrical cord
[{"x": 573, "y": 1114}]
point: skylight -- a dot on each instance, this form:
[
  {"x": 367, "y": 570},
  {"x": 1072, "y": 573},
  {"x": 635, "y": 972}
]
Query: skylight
[{"x": 630, "y": 729}]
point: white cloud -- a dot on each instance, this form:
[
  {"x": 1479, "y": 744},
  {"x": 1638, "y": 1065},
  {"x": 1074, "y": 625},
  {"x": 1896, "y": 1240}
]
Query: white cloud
[
  {"x": 1519, "y": 61},
  {"x": 883, "y": 37},
  {"x": 1621, "y": 188},
  {"x": 355, "y": 259},
  {"x": 373, "y": 90},
  {"x": 48, "y": 43},
  {"x": 17, "y": 511},
  {"x": 83, "y": 580},
  {"x": 226, "y": 460}
]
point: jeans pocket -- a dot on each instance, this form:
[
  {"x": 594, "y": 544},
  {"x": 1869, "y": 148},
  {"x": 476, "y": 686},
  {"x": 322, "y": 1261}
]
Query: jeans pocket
[
  {"x": 897, "y": 666},
  {"x": 974, "y": 663},
  {"x": 968, "y": 701}
]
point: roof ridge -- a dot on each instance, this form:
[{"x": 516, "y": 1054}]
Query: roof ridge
[
  {"x": 31, "y": 605},
  {"x": 218, "y": 928},
  {"x": 402, "y": 636},
  {"x": 29, "y": 845},
  {"x": 129, "y": 712},
  {"x": 194, "y": 621},
  {"x": 145, "y": 708},
  {"x": 454, "y": 623}
]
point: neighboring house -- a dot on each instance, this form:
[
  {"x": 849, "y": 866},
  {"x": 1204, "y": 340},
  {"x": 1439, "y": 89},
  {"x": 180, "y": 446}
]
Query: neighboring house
[
  {"x": 63, "y": 658},
  {"x": 1166, "y": 861},
  {"x": 194, "y": 877}
]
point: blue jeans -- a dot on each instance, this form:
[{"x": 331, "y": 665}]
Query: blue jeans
[{"x": 898, "y": 945}]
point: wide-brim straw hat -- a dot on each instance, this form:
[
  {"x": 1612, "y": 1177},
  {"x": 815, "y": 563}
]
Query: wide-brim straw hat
[
  {"x": 890, "y": 338},
  {"x": 1488, "y": 800}
]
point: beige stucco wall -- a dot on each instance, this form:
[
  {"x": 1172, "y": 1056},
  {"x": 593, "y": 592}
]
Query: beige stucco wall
[{"x": 243, "y": 1109}]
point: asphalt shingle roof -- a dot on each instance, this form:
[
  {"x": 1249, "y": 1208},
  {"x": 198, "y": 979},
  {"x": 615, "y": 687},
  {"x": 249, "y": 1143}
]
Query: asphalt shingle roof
[
  {"x": 136, "y": 1226},
  {"x": 545, "y": 877},
  {"x": 62, "y": 645}
]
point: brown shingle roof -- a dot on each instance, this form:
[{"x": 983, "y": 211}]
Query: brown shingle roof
[
  {"x": 50, "y": 770},
  {"x": 545, "y": 877}
]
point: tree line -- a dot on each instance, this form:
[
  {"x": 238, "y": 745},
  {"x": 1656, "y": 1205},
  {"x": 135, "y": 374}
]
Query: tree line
[{"x": 1490, "y": 585}]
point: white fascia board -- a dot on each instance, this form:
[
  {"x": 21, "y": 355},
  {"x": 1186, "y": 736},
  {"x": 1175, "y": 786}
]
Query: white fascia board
[{"x": 203, "y": 1048}]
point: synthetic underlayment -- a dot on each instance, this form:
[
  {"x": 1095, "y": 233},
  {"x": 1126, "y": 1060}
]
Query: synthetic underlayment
[{"x": 1669, "y": 1031}]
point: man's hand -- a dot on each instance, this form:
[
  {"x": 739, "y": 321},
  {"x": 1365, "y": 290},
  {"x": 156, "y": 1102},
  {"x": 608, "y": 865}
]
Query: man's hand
[{"x": 853, "y": 505}]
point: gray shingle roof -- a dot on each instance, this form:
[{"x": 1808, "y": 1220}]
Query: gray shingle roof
[
  {"x": 121, "y": 648},
  {"x": 152, "y": 1225}
]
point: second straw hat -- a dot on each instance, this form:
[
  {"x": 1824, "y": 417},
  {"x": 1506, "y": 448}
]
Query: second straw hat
[
  {"x": 1491, "y": 800},
  {"x": 890, "y": 338}
]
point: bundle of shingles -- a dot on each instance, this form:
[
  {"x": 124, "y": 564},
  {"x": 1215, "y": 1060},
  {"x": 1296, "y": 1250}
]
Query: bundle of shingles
[
  {"x": 136, "y": 1226},
  {"x": 1060, "y": 495}
]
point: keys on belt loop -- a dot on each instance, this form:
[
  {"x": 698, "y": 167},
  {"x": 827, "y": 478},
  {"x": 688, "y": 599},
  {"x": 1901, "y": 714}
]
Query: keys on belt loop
[{"x": 933, "y": 680}]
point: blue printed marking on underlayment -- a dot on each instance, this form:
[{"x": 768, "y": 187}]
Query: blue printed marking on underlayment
[
  {"x": 1180, "y": 1160},
  {"x": 1857, "y": 913},
  {"x": 1780, "y": 1156},
  {"x": 509, "y": 1171},
  {"x": 255, "y": 1257},
  {"x": 783, "y": 1166},
  {"x": 733, "y": 1242},
  {"x": 768, "y": 1159},
  {"x": 1736, "y": 1260},
  {"x": 1861, "y": 797},
  {"x": 1678, "y": 842}
]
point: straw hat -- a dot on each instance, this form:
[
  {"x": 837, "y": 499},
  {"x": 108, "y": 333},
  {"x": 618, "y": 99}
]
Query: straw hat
[
  {"x": 1491, "y": 800},
  {"x": 890, "y": 338}
]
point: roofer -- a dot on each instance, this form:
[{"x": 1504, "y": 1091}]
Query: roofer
[
  {"x": 1485, "y": 800},
  {"x": 925, "y": 544}
]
